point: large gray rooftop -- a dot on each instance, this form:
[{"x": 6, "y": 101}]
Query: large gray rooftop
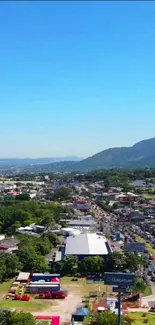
[{"x": 86, "y": 244}]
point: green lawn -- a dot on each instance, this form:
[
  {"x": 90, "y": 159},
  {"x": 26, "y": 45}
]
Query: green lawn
[
  {"x": 150, "y": 317},
  {"x": 83, "y": 287},
  {"x": 148, "y": 196},
  {"x": 149, "y": 248},
  {"x": 32, "y": 305},
  {"x": 4, "y": 287}
]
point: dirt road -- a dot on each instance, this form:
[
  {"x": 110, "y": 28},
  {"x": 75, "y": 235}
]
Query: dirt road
[{"x": 63, "y": 308}]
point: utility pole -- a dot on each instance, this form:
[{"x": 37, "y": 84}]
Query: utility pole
[{"x": 119, "y": 308}]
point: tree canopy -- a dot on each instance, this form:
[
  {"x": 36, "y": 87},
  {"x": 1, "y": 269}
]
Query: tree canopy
[
  {"x": 63, "y": 193},
  {"x": 106, "y": 318},
  {"x": 9, "y": 264},
  {"x": 90, "y": 265},
  {"x": 18, "y": 318},
  {"x": 17, "y": 213}
]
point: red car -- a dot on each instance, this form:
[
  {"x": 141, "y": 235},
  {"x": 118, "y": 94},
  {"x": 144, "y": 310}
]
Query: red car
[
  {"x": 150, "y": 257},
  {"x": 23, "y": 298}
]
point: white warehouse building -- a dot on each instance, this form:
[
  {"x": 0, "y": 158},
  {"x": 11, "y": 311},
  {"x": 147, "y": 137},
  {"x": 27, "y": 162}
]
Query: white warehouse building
[{"x": 87, "y": 244}]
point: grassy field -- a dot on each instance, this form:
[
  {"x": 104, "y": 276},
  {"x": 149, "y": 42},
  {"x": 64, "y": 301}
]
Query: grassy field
[
  {"x": 77, "y": 288},
  {"x": 149, "y": 248},
  {"x": 32, "y": 305},
  {"x": 4, "y": 287},
  {"x": 83, "y": 287},
  {"x": 148, "y": 196},
  {"x": 151, "y": 318}
]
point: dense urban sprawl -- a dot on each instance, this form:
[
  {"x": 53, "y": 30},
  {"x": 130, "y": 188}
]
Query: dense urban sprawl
[{"x": 60, "y": 233}]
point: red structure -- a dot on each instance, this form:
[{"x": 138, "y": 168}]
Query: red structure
[
  {"x": 80, "y": 202},
  {"x": 23, "y": 298},
  {"x": 129, "y": 199},
  {"x": 55, "y": 320},
  {"x": 52, "y": 295}
]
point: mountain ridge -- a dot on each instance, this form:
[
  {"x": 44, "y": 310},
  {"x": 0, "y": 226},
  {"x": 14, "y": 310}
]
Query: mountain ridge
[{"x": 140, "y": 155}]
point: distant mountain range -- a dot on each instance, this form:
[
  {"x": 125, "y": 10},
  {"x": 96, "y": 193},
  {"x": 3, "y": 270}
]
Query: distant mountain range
[
  {"x": 33, "y": 161},
  {"x": 140, "y": 155}
]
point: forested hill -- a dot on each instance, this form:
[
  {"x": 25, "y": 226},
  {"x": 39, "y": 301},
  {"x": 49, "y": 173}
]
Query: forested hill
[{"x": 140, "y": 155}]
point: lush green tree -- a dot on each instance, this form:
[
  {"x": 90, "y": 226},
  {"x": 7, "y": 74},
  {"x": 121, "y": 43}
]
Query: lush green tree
[
  {"x": 9, "y": 264},
  {"x": 53, "y": 238},
  {"x": 31, "y": 252},
  {"x": 3, "y": 270},
  {"x": 14, "y": 214},
  {"x": 5, "y": 317},
  {"x": 40, "y": 245},
  {"x": 32, "y": 262},
  {"x": 68, "y": 265},
  {"x": 22, "y": 319},
  {"x": 139, "y": 287},
  {"x": 48, "y": 220},
  {"x": 18, "y": 318},
  {"x": 91, "y": 265},
  {"x": 36, "y": 264},
  {"x": 115, "y": 262},
  {"x": 63, "y": 193},
  {"x": 107, "y": 318},
  {"x": 23, "y": 197},
  {"x": 133, "y": 261}
]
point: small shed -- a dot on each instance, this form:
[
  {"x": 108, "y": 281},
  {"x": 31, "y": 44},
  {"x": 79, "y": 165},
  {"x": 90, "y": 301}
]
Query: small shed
[
  {"x": 23, "y": 277},
  {"x": 80, "y": 314}
]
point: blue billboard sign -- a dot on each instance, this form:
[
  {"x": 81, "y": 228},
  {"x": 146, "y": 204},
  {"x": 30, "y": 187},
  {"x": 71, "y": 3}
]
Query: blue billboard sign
[
  {"x": 119, "y": 279},
  {"x": 134, "y": 247},
  {"x": 118, "y": 289}
]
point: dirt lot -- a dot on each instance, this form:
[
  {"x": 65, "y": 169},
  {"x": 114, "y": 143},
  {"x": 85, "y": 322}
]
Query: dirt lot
[
  {"x": 76, "y": 290},
  {"x": 64, "y": 308}
]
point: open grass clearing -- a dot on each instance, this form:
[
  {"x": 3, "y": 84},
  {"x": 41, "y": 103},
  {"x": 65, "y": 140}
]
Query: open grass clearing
[
  {"x": 150, "y": 317},
  {"x": 31, "y": 305},
  {"x": 5, "y": 286},
  {"x": 82, "y": 287}
]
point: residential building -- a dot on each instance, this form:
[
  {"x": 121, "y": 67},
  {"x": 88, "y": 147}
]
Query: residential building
[{"x": 9, "y": 245}]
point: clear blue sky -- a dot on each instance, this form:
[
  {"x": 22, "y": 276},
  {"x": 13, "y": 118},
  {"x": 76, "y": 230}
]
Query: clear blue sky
[{"x": 75, "y": 77}]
